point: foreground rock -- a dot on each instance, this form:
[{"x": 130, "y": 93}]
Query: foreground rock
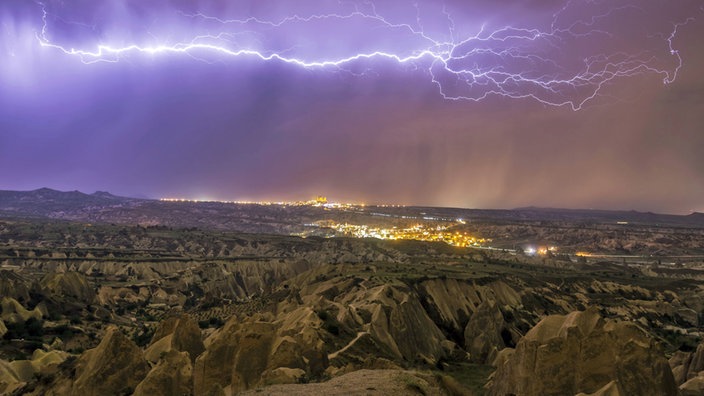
[
  {"x": 116, "y": 366},
  {"x": 483, "y": 333},
  {"x": 582, "y": 352},
  {"x": 694, "y": 386},
  {"x": 688, "y": 369},
  {"x": 15, "y": 374},
  {"x": 247, "y": 354},
  {"x": 173, "y": 375}
]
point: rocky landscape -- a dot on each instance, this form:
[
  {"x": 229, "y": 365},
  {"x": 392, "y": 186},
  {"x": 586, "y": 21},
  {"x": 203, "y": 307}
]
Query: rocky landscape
[
  {"x": 670, "y": 237},
  {"x": 99, "y": 308}
]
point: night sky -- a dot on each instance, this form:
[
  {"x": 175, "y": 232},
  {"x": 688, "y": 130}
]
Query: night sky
[{"x": 479, "y": 104}]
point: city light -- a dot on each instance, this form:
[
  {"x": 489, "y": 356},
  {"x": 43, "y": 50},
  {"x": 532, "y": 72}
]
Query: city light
[
  {"x": 317, "y": 202},
  {"x": 540, "y": 250},
  {"x": 419, "y": 232}
]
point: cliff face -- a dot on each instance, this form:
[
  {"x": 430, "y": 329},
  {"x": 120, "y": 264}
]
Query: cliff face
[{"x": 582, "y": 352}]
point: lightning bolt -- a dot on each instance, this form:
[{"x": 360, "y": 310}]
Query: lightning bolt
[{"x": 508, "y": 61}]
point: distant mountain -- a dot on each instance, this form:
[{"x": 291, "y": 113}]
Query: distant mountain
[
  {"x": 46, "y": 202},
  {"x": 105, "y": 194},
  {"x": 105, "y": 207},
  {"x": 606, "y": 216},
  {"x": 696, "y": 215}
]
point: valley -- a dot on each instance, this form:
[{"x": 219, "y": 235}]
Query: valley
[{"x": 193, "y": 302}]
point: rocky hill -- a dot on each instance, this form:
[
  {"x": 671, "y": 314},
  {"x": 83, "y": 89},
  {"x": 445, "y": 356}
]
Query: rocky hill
[{"x": 110, "y": 309}]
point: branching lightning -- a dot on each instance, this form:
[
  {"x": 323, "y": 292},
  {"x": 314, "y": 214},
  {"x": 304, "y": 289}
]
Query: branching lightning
[{"x": 561, "y": 64}]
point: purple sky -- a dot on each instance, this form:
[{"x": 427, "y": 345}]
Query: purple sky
[{"x": 567, "y": 109}]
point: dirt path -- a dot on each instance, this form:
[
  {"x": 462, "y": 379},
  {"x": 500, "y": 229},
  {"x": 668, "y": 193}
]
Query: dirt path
[{"x": 346, "y": 347}]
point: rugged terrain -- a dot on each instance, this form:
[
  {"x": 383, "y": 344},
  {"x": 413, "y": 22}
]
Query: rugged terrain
[
  {"x": 672, "y": 238},
  {"x": 108, "y": 308}
]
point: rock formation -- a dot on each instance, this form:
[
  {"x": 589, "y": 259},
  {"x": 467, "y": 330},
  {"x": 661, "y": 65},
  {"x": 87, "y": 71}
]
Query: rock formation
[
  {"x": 688, "y": 370},
  {"x": 180, "y": 333},
  {"x": 482, "y": 336},
  {"x": 245, "y": 353},
  {"x": 14, "y": 285},
  {"x": 14, "y": 312},
  {"x": 173, "y": 375},
  {"x": 68, "y": 284},
  {"x": 693, "y": 386},
  {"x": 582, "y": 352},
  {"x": 366, "y": 382},
  {"x": 15, "y": 374},
  {"x": 116, "y": 366}
]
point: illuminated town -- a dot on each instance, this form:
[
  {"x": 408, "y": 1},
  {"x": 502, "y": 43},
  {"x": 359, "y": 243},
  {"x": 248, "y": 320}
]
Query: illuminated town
[
  {"x": 430, "y": 231},
  {"x": 433, "y": 230},
  {"x": 319, "y": 201},
  {"x": 417, "y": 232},
  {"x": 539, "y": 251}
]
